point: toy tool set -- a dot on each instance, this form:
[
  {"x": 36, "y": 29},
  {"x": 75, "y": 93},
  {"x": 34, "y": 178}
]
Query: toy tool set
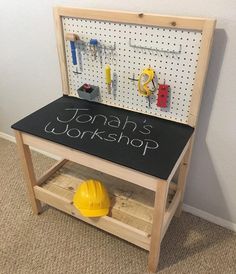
[{"x": 154, "y": 66}]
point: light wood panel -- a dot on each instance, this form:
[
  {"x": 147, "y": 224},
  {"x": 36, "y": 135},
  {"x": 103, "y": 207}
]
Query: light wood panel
[
  {"x": 130, "y": 204},
  {"x": 116, "y": 170},
  {"x": 106, "y": 223},
  {"x": 169, "y": 21},
  {"x": 169, "y": 214},
  {"x": 28, "y": 171},
  {"x": 203, "y": 61},
  {"x": 182, "y": 176},
  {"x": 157, "y": 227},
  {"x": 172, "y": 173},
  {"x": 61, "y": 52},
  {"x": 51, "y": 171}
]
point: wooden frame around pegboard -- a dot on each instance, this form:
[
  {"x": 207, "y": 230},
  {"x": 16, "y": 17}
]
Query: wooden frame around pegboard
[{"x": 204, "y": 25}]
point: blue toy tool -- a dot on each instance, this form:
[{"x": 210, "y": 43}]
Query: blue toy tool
[
  {"x": 73, "y": 52},
  {"x": 93, "y": 42},
  {"x": 73, "y": 38},
  {"x": 93, "y": 47}
]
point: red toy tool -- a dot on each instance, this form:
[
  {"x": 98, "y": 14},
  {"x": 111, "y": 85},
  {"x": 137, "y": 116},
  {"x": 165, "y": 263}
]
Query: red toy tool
[{"x": 162, "y": 95}]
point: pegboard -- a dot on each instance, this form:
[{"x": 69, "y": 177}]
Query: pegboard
[{"x": 173, "y": 53}]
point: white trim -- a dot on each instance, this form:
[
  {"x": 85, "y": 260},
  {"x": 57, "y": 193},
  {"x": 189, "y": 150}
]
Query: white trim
[
  {"x": 195, "y": 211},
  {"x": 209, "y": 217},
  {"x": 7, "y": 137},
  {"x": 12, "y": 139}
]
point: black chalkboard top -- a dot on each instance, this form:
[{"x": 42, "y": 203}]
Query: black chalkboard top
[{"x": 138, "y": 141}]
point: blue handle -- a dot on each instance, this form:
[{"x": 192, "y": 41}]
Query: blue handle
[
  {"x": 93, "y": 42},
  {"x": 73, "y": 52}
]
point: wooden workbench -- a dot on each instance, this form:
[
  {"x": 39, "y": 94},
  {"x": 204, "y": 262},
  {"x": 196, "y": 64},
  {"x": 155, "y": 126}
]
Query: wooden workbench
[
  {"x": 136, "y": 155},
  {"x": 131, "y": 175}
]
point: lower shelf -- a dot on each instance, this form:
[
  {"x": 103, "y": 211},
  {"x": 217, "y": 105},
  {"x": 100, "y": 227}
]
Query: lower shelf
[
  {"x": 131, "y": 214},
  {"x": 130, "y": 217}
]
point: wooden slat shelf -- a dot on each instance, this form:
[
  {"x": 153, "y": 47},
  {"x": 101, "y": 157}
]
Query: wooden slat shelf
[
  {"x": 132, "y": 207},
  {"x": 106, "y": 223},
  {"x": 131, "y": 214}
]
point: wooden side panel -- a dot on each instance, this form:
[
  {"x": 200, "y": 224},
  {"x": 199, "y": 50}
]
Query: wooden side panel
[
  {"x": 178, "y": 163},
  {"x": 157, "y": 227},
  {"x": 51, "y": 171},
  {"x": 182, "y": 176},
  {"x": 28, "y": 170},
  {"x": 61, "y": 52},
  {"x": 169, "y": 214},
  {"x": 204, "y": 57}
]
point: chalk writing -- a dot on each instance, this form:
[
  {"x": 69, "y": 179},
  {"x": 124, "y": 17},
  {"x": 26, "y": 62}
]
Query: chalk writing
[
  {"x": 62, "y": 126},
  {"x": 110, "y": 120},
  {"x": 53, "y": 129},
  {"x": 73, "y": 116}
]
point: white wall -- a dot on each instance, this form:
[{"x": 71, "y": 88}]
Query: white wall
[{"x": 29, "y": 79}]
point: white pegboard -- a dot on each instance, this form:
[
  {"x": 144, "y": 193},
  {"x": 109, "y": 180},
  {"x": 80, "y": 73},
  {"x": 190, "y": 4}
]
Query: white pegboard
[{"x": 177, "y": 70}]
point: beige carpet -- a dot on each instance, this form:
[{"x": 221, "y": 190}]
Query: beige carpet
[{"x": 57, "y": 243}]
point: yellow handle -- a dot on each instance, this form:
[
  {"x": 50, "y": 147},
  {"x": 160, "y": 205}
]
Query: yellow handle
[
  {"x": 108, "y": 74},
  {"x": 143, "y": 88}
]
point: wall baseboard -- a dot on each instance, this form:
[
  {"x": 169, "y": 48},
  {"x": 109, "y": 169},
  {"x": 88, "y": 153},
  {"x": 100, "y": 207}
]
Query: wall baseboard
[
  {"x": 209, "y": 217},
  {"x": 194, "y": 211},
  {"x": 7, "y": 137},
  {"x": 12, "y": 139}
]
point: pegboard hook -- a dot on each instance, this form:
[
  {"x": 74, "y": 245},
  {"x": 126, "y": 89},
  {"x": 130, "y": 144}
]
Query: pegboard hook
[{"x": 155, "y": 49}]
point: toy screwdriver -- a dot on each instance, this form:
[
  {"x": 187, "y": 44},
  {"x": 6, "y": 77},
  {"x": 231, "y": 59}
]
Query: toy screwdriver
[
  {"x": 108, "y": 77},
  {"x": 72, "y": 38}
]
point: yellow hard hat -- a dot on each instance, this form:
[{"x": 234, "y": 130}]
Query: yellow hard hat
[{"x": 91, "y": 199}]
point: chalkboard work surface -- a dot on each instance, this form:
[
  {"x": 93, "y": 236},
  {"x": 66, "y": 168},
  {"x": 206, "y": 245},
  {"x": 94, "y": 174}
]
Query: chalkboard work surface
[{"x": 144, "y": 143}]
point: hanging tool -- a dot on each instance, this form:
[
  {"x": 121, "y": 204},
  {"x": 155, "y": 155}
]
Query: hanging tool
[
  {"x": 73, "y": 38},
  {"x": 133, "y": 78},
  {"x": 162, "y": 95},
  {"x": 114, "y": 84},
  {"x": 108, "y": 78},
  {"x": 100, "y": 56},
  {"x": 146, "y": 77},
  {"x": 93, "y": 47}
]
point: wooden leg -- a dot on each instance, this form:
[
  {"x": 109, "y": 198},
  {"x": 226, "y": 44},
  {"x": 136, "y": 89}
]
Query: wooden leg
[
  {"x": 182, "y": 177},
  {"x": 28, "y": 169},
  {"x": 158, "y": 218}
]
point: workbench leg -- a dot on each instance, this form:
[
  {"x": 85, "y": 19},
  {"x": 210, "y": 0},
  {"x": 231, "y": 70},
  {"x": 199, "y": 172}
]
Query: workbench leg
[
  {"x": 182, "y": 177},
  {"x": 158, "y": 218},
  {"x": 28, "y": 170}
]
